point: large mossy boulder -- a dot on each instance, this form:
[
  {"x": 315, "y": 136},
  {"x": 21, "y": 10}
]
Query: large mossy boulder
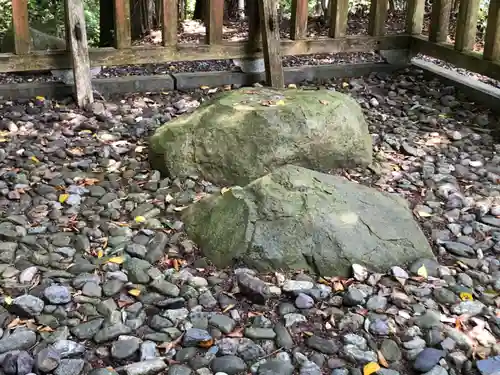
[
  {"x": 39, "y": 41},
  {"x": 244, "y": 134},
  {"x": 295, "y": 218}
]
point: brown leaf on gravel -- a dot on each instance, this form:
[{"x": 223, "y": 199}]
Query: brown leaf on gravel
[
  {"x": 45, "y": 329},
  {"x": 238, "y": 332},
  {"x": 382, "y": 360},
  {"x": 167, "y": 346}
]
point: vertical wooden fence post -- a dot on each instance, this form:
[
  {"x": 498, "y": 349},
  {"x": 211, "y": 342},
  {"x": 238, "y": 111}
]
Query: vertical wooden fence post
[
  {"x": 467, "y": 25},
  {"x": 271, "y": 42},
  {"x": 21, "y": 27},
  {"x": 123, "y": 37},
  {"x": 339, "y": 11},
  {"x": 492, "y": 38},
  {"x": 77, "y": 35},
  {"x": 169, "y": 23},
  {"x": 440, "y": 21},
  {"x": 378, "y": 17},
  {"x": 254, "y": 30},
  {"x": 415, "y": 17},
  {"x": 214, "y": 21},
  {"x": 300, "y": 13}
]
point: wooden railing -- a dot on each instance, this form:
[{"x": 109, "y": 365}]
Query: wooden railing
[{"x": 214, "y": 47}]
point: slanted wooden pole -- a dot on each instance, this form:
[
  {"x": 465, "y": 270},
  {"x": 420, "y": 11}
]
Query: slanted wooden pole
[
  {"x": 21, "y": 27},
  {"x": 214, "y": 21},
  {"x": 492, "y": 38},
  {"x": 440, "y": 21},
  {"x": 378, "y": 17},
  {"x": 271, "y": 43},
  {"x": 467, "y": 25},
  {"x": 300, "y": 12},
  {"x": 123, "y": 28},
  {"x": 339, "y": 11},
  {"x": 77, "y": 35},
  {"x": 169, "y": 23},
  {"x": 415, "y": 17}
]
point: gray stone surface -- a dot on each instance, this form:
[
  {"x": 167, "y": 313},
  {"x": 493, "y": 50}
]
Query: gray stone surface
[
  {"x": 324, "y": 222},
  {"x": 267, "y": 128}
]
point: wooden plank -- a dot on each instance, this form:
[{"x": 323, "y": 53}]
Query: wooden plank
[
  {"x": 169, "y": 22},
  {"x": 378, "y": 17},
  {"x": 339, "y": 11},
  {"x": 21, "y": 28},
  {"x": 440, "y": 20},
  {"x": 300, "y": 14},
  {"x": 492, "y": 37},
  {"x": 75, "y": 19},
  {"x": 469, "y": 60},
  {"x": 214, "y": 21},
  {"x": 123, "y": 28},
  {"x": 46, "y": 60},
  {"x": 271, "y": 43},
  {"x": 465, "y": 36},
  {"x": 415, "y": 17},
  {"x": 254, "y": 30}
]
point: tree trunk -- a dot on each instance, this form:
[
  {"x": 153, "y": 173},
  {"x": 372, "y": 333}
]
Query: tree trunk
[
  {"x": 142, "y": 16},
  {"x": 106, "y": 23},
  {"x": 200, "y": 10}
]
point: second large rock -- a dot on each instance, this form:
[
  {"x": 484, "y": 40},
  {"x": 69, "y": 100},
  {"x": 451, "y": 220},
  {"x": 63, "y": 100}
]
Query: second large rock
[
  {"x": 244, "y": 134},
  {"x": 295, "y": 218}
]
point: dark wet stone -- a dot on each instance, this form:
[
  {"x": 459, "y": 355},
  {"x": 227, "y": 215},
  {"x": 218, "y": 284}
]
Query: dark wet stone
[
  {"x": 122, "y": 349},
  {"x": 47, "y": 359},
  {"x": 70, "y": 367},
  {"x": 111, "y": 332},
  {"x": 275, "y": 366},
  {"x": 18, "y": 340},
  {"x": 88, "y": 329},
  {"x": 229, "y": 364},
  {"x": 57, "y": 294},
  {"x": 195, "y": 336},
  {"x": 427, "y": 359},
  {"x": 323, "y": 345}
]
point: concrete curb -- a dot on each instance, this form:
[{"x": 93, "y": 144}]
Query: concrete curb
[
  {"x": 186, "y": 81},
  {"x": 475, "y": 90}
]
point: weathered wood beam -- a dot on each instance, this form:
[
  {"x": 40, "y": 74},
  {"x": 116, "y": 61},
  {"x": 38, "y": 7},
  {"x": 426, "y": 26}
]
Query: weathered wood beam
[
  {"x": 123, "y": 28},
  {"x": 339, "y": 11},
  {"x": 169, "y": 22},
  {"x": 46, "y": 60},
  {"x": 300, "y": 13},
  {"x": 469, "y": 60},
  {"x": 492, "y": 37},
  {"x": 440, "y": 21},
  {"x": 75, "y": 19},
  {"x": 254, "y": 30},
  {"x": 21, "y": 28},
  {"x": 214, "y": 21},
  {"x": 271, "y": 43},
  {"x": 415, "y": 17},
  {"x": 378, "y": 17},
  {"x": 465, "y": 37}
]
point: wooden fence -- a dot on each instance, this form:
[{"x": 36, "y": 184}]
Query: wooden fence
[{"x": 124, "y": 53}]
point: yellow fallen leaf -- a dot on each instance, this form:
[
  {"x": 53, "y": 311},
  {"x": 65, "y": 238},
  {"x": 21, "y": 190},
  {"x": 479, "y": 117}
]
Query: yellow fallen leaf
[
  {"x": 34, "y": 158},
  {"x": 371, "y": 368},
  {"x": 116, "y": 260},
  {"x": 41, "y": 98},
  {"x": 345, "y": 84},
  {"x": 224, "y": 190},
  {"x": 292, "y": 86},
  {"x": 139, "y": 219},
  {"x": 280, "y": 102},
  {"x": 180, "y": 208},
  {"x": 308, "y": 333},
  {"x": 204, "y": 87},
  {"x": 228, "y": 307},
  {"x": 100, "y": 253},
  {"x": 422, "y": 271},
  {"x": 134, "y": 292},
  {"x": 8, "y": 300},
  {"x": 3, "y": 140},
  {"x": 63, "y": 198},
  {"x": 464, "y": 296}
]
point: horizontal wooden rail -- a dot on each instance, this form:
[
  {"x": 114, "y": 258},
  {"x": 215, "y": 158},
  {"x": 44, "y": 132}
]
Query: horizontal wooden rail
[
  {"x": 46, "y": 60},
  {"x": 467, "y": 60}
]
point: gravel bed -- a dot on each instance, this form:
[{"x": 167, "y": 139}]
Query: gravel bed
[{"x": 97, "y": 275}]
